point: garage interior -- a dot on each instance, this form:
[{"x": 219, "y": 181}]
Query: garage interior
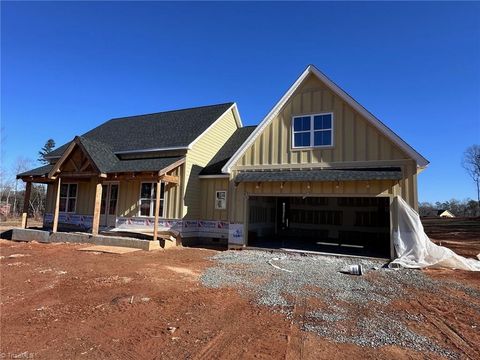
[{"x": 340, "y": 225}]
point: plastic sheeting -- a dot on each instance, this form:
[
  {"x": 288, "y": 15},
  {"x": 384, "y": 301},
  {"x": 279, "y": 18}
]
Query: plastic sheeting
[{"x": 414, "y": 248}]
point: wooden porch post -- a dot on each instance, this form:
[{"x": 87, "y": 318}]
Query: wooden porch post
[
  {"x": 97, "y": 208},
  {"x": 157, "y": 210},
  {"x": 26, "y": 203},
  {"x": 57, "y": 205}
]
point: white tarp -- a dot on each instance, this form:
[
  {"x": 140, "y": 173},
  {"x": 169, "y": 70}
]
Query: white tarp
[{"x": 414, "y": 248}]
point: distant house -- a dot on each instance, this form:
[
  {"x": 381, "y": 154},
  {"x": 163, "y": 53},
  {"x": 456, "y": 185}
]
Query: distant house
[
  {"x": 445, "y": 214},
  {"x": 319, "y": 172},
  {"x": 433, "y": 213}
]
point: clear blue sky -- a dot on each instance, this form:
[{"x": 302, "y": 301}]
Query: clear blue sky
[{"x": 68, "y": 66}]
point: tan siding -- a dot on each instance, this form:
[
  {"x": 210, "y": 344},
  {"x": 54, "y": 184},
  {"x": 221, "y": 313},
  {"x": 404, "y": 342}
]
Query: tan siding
[
  {"x": 128, "y": 198},
  {"x": 328, "y": 188},
  {"x": 49, "y": 206},
  {"x": 199, "y": 156},
  {"x": 356, "y": 141},
  {"x": 354, "y": 138},
  {"x": 85, "y": 198},
  {"x": 208, "y": 187}
]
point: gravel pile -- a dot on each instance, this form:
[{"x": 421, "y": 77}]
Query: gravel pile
[{"x": 355, "y": 308}]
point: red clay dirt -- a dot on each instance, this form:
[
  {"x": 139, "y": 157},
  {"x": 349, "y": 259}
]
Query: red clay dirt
[{"x": 60, "y": 303}]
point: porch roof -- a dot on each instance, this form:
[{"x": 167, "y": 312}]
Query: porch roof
[
  {"x": 138, "y": 165},
  {"x": 40, "y": 171},
  {"x": 120, "y": 166},
  {"x": 319, "y": 175}
]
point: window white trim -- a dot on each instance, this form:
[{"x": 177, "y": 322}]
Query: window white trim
[
  {"x": 152, "y": 200},
  {"x": 107, "y": 197},
  {"x": 312, "y": 132},
  {"x": 68, "y": 197}
]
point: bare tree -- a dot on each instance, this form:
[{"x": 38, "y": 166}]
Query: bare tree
[
  {"x": 21, "y": 164},
  {"x": 471, "y": 163}
]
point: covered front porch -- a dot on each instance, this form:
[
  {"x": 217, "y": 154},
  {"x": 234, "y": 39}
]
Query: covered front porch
[{"x": 85, "y": 194}]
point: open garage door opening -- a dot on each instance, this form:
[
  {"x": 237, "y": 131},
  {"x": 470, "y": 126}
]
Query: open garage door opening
[{"x": 341, "y": 225}]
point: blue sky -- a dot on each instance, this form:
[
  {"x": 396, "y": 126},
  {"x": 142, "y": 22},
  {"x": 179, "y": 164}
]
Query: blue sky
[{"x": 69, "y": 66}]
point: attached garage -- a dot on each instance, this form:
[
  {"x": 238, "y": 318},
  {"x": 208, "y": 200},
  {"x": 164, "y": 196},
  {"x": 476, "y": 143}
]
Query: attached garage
[
  {"x": 332, "y": 210},
  {"x": 318, "y": 173},
  {"x": 342, "y": 225}
]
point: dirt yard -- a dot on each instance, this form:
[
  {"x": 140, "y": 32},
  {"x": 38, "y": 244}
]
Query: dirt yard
[
  {"x": 60, "y": 303},
  {"x": 459, "y": 234}
]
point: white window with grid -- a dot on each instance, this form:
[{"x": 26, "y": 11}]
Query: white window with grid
[{"x": 148, "y": 193}]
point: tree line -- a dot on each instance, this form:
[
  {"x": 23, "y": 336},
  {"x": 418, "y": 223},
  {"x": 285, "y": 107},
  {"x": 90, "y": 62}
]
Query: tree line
[
  {"x": 12, "y": 190},
  {"x": 461, "y": 208}
]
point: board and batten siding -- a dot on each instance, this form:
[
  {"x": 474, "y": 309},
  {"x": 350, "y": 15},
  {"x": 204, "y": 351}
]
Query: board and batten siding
[
  {"x": 325, "y": 188},
  {"x": 199, "y": 156},
  {"x": 355, "y": 139},
  {"x": 128, "y": 197},
  {"x": 208, "y": 189},
  {"x": 85, "y": 197},
  {"x": 356, "y": 143}
]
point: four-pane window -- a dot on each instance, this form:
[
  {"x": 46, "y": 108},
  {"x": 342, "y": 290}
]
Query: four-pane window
[
  {"x": 68, "y": 198},
  {"x": 148, "y": 194},
  {"x": 313, "y": 130}
]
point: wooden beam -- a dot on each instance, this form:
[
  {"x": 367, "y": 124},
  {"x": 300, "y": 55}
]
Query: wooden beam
[
  {"x": 84, "y": 165},
  {"x": 170, "y": 179},
  {"x": 26, "y": 203},
  {"x": 77, "y": 174},
  {"x": 134, "y": 176},
  {"x": 38, "y": 179},
  {"x": 97, "y": 208},
  {"x": 56, "y": 205},
  {"x": 157, "y": 210},
  {"x": 74, "y": 164}
]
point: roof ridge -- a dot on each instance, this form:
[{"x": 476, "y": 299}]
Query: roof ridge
[{"x": 170, "y": 111}]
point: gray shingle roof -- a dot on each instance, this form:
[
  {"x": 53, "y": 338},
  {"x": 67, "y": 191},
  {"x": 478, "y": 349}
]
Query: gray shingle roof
[
  {"x": 40, "y": 171},
  {"x": 214, "y": 167},
  {"x": 318, "y": 175},
  {"x": 155, "y": 164},
  {"x": 101, "y": 154},
  {"x": 176, "y": 128}
]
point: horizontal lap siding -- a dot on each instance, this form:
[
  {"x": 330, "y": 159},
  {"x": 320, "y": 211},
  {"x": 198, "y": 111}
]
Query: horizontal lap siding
[{"x": 199, "y": 156}]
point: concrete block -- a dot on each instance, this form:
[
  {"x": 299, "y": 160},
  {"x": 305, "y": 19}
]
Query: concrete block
[{"x": 30, "y": 235}]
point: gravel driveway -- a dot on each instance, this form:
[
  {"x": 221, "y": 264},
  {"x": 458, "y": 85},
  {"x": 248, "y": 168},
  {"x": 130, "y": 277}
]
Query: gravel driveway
[{"x": 347, "y": 308}]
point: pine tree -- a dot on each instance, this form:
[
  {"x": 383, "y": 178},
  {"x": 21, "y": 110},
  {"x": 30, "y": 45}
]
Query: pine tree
[{"x": 46, "y": 149}]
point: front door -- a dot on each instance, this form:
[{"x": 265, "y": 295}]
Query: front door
[{"x": 108, "y": 212}]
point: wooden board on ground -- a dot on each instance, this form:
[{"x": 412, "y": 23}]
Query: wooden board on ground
[{"x": 109, "y": 249}]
